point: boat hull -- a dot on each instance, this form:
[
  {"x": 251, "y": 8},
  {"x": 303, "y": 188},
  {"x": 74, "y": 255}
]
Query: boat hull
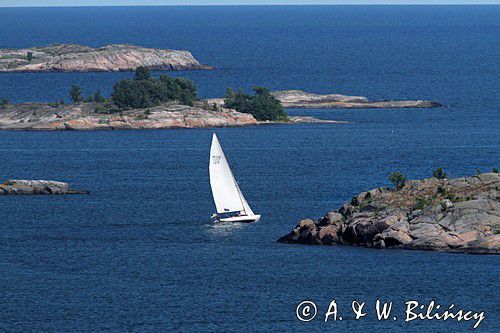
[{"x": 241, "y": 219}]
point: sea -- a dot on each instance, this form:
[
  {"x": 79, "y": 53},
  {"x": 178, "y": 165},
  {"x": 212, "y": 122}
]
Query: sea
[{"x": 140, "y": 254}]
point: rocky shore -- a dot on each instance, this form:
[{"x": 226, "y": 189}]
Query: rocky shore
[
  {"x": 80, "y": 58},
  {"x": 453, "y": 215},
  {"x": 91, "y": 116},
  {"x": 32, "y": 187},
  {"x": 300, "y": 99}
]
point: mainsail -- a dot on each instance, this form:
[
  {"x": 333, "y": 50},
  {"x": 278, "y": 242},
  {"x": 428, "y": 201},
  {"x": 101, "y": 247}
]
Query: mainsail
[{"x": 225, "y": 190}]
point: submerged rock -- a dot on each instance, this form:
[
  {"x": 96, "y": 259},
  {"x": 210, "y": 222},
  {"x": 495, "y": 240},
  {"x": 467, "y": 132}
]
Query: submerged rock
[
  {"x": 31, "y": 187},
  {"x": 80, "y": 58},
  {"x": 455, "y": 215}
]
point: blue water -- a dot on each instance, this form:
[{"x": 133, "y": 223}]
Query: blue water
[{"x": 138, "y": 253}]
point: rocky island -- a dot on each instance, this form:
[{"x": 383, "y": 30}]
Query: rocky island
[
  {"x": 90, "y": 116},
  {"x": 80, "y": 58},
  {"x": 299, "y": 99},
  {"x": 32, "y": 187},
  {"x": 453, "y": 215}
]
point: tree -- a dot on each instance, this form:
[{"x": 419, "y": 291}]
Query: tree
[
  {"x": 76, "y": 94},
  {"x": 397, "y": 179},
  {"x": 29, "y": 56},
  {"x": 4, "y": 102},
  {"x": 188, "y": 91},
  {"x": 98, "y": 97},
  {"x": 266, "y": 107},
  {"x": 144, "y": 93},
  {"x": 262, "y": 105},
  {"x": 142, "y": 73},
  {"x": 439, "y": 174}
]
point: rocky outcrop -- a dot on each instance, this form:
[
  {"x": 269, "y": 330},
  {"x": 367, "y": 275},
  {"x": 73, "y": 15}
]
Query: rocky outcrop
[
  {"x": 79, "y": 58},
  {"x": 457, "y": 215},
  {"x": 91, "y": 116},
  {"x": 301, "y": 99},
  {"x": 31, "y": 187},
  {"x": 304, "y": 120}
]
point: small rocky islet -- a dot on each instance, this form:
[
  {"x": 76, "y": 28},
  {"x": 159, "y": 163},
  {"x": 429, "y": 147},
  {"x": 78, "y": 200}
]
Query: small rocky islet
[
  {"x": 81, "y": 58},
  {"x": 452, "y": 215},
  {"x": 35, "y": 187},
  {"x": 298, "y": 99}
]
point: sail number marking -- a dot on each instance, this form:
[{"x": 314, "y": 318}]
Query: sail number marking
[{"x": 216, "y": 159}]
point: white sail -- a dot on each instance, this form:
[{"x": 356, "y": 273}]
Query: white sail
[
  {"x": 246, "y": 207},
  {"x": 225, "y": 190}
]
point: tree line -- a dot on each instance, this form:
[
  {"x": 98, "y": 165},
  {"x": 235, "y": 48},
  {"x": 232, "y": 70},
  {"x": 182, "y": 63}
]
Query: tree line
[{"x": 145, "y": 91}]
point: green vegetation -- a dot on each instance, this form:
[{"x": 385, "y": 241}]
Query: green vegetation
[
  {"x": 142, "y": 73},
  {"x": 445, "y": 193},
  {"x": 56, "y": 104},
  {"x": 29, "y": 56},
  {"x": 146, "y": 91},
  {"x": 104, "y": 108},
  {"x": 144, "y": 115},
  {"x": 441, "y": 190},
  {"x": 4, "y": 102},
  {"x": 365, "y": 203},
  {"x": 423, "y": 202},
  {"x": 495, "y": 170},
  {"x": 97, "y": 98},
  {"x": 397, "y": 179},
  {"x": 76, "y": 94},
  {"x": 439, "y": 174},
  {"x": 262, "y": 105}
]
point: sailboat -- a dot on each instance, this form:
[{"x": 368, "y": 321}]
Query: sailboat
[{"x": 229, "y": 201}]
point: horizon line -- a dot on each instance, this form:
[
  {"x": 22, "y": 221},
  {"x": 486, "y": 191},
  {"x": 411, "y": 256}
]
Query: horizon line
[{"x": 262, "y": 5}]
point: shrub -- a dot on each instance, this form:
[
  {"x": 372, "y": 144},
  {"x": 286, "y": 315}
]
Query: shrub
[
  {"x": 262, "y": 105},
  {"x": 397, "y": 179},
  {"x": 441, "y": 190},
  {"x": 142, "y": 116},
  {"x": 422, "y": 202},
  {"x": 98, "y": 97},
  {"x": 29, "y": 56},
  {"x": 100, "y": 109},
  {"x": 4, "y": 102},
  {"x": 439, "y": 174},
  {"x": 76, "y": 94},
  {"x": 495, "y": 170},
  {"x": 453, "y": 198}
]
